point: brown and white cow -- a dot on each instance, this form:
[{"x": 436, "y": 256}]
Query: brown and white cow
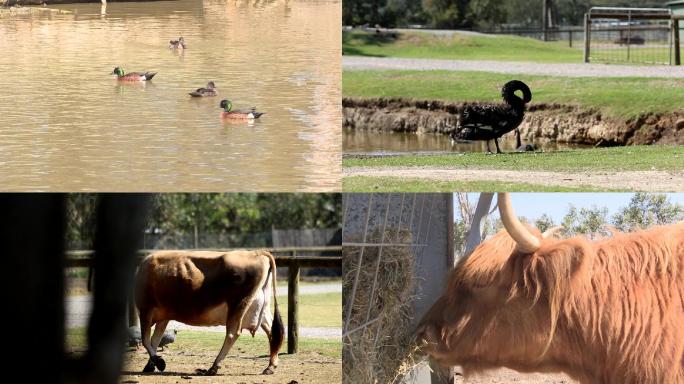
[
  {"x": 208, "y": 288},
  {"x": 608, "y": 311}
]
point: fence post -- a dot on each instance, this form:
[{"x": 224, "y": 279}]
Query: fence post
[
  {"x": 570, "y": 38},
  {"x": 587, "y": 36},
  {"x": 677, "y": 50},
  {"x": 292, "y": 305}
]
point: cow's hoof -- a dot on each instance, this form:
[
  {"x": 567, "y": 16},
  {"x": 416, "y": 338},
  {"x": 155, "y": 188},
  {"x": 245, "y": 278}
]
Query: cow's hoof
[
  {"x": 159, "y": 363},
  {"x": 267, "y": 371},
  {"x": 149, "y": 367},
  {"x": 207, "y": 372}
]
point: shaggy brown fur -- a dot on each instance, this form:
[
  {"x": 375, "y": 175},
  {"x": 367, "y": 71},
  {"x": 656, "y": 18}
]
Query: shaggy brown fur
[{"x": 610, "y": 311}]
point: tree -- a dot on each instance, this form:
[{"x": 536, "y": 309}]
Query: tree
[
  {"x": 586, "y": 221},
  {"x": 486, "y": 13},
  {"x": 447, "y": 14},
  {"x": 648, "y": 209},
  {"x": 544, "y": 222}
]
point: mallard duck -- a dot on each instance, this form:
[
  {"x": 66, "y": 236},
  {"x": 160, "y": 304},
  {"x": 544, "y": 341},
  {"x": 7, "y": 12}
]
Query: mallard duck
[
  {"x": 177, "y": 44},
  {"x": 210, "y": 90},
  {"x": 132, "y": 76},
  {"x": 228, "y": 112},
  {"x": 491, "y": 121}
]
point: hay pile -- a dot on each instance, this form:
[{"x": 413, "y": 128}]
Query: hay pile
[{"x": 382, "y": 352}]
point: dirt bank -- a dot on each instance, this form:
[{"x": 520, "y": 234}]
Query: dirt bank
[{"x": 555, "y": 122}]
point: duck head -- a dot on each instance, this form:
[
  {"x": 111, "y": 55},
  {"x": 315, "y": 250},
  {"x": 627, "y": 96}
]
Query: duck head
[
  {"x": 118, "y": 72},
  {"x": 211, "y": 85},
  {"x": 226, "y": 105}
]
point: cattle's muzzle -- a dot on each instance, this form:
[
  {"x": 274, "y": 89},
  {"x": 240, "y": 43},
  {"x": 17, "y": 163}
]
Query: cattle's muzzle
[{"x": 426, "y": 338}]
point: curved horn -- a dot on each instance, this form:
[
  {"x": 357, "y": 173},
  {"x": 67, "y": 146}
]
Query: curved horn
[
  {"x": 526, "y": 241},
  {"x": 552, "y": 232}
]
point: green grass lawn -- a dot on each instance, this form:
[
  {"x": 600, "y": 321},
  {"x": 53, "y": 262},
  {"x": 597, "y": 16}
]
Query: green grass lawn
[
  {"x": 616, "y": 97},
  {"x": 212, "y": 341},
  {"x": 394, "y": 184},
  {"x": 319, "y": 310},
  {"x": 460, "y": 46},
  {"x": 632, "y": 158}
]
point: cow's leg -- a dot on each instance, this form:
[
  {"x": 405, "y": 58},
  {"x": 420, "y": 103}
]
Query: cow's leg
[
  {"x": 158, "y": 333},
  {"x": 145, "y": 335},
  {"x": 233, "y": 328},
  {"x": 273, "y": 360}
]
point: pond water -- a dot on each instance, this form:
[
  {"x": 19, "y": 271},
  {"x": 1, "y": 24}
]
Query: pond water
[
  {"x": 360, "y": 141},
  {"x": 67, "y": 124}
]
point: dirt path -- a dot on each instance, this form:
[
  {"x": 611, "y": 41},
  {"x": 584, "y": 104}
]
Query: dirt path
[
  {"x": 238, "y": 367},
  {"x": 520, "y": 67},
  {"x": 653, "y": 181}
]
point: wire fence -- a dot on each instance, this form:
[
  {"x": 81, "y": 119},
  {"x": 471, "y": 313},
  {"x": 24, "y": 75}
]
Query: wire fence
[
  {"x": 624, "y": 35},
  {"x": 413, "y": 215},
  {"x": 396, "y": 248}
]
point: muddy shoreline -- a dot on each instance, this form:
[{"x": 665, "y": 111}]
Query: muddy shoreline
[{"x": 543, "y": 122}]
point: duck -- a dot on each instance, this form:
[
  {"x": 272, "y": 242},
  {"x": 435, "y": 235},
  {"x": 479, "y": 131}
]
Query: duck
[
  {"x": 229, "y": 113},
  {"x": 210, "y": 90},
  {"x": 177, "y": 44},
  {"x": 132, "y": 76},
  {"x": 491, "y": 121}
]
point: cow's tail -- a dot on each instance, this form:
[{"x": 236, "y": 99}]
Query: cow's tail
[{"x": 277, "y": 328}]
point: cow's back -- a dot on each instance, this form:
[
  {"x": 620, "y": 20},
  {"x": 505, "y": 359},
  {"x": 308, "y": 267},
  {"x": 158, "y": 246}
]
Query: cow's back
[{"x": 196, "y": 287}]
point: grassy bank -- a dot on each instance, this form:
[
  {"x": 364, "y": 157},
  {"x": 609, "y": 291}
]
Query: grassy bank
[
  {"x": 394, "y": 184},
  {"x": 617, "y": 97},
  {"x": 459, "y": 46},
  {"x": 633, "y": 158}
]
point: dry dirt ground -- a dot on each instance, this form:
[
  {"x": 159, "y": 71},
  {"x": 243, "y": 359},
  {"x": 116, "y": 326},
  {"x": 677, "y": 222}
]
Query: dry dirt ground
[
  {"x": 507, "y": 376},
  {"x": 238, "y": 368},
  {"x": 652, "y": 181}
]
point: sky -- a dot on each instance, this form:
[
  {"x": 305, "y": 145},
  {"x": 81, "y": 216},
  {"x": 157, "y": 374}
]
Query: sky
[{"x": 533, "y": 205}]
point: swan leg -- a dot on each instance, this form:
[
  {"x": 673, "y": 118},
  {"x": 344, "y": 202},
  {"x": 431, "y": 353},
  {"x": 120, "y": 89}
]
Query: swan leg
[
  {"x": 518, "y": 142},
  {"x": 488, "y": 150},
  {"x": 496, "y": 141}
]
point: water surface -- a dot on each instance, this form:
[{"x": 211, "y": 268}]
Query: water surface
[
  {"x": 66, "y": 124},
  {"x": 360, "y": 141}
]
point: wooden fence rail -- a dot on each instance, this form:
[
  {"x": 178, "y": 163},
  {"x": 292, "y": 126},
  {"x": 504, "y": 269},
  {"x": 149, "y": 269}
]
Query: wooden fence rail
[{"x": 294, "y": 263}]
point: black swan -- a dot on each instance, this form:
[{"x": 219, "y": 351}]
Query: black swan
[{"x": 491, "y": 121}]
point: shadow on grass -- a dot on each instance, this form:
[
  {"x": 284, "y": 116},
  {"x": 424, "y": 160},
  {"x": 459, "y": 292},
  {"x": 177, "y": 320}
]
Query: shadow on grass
[{"x": 353, "y": 42}]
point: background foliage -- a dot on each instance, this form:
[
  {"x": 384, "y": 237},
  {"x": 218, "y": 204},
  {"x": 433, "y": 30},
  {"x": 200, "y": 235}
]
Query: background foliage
[
  {"x": 234, "y": 217},
  {"x": 466, "y": 14}
]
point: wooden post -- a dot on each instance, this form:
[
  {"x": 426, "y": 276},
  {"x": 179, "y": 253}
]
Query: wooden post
[
  {"x": 675, "y": 38},
  {"x": 292, "y": 307},
  {"x": 587, "y": 36},
  {"x": 570, "y": 38}
]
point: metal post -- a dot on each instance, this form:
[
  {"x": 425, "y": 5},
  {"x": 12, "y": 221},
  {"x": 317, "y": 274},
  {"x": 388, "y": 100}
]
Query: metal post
[
  {"x": 677, "y": 49},
  {"x": 293, "y": 308},
  {"x": 545, "y": 15},
  {"x": 587, "y": 36},
  {"x": 629, "y": 33}
]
